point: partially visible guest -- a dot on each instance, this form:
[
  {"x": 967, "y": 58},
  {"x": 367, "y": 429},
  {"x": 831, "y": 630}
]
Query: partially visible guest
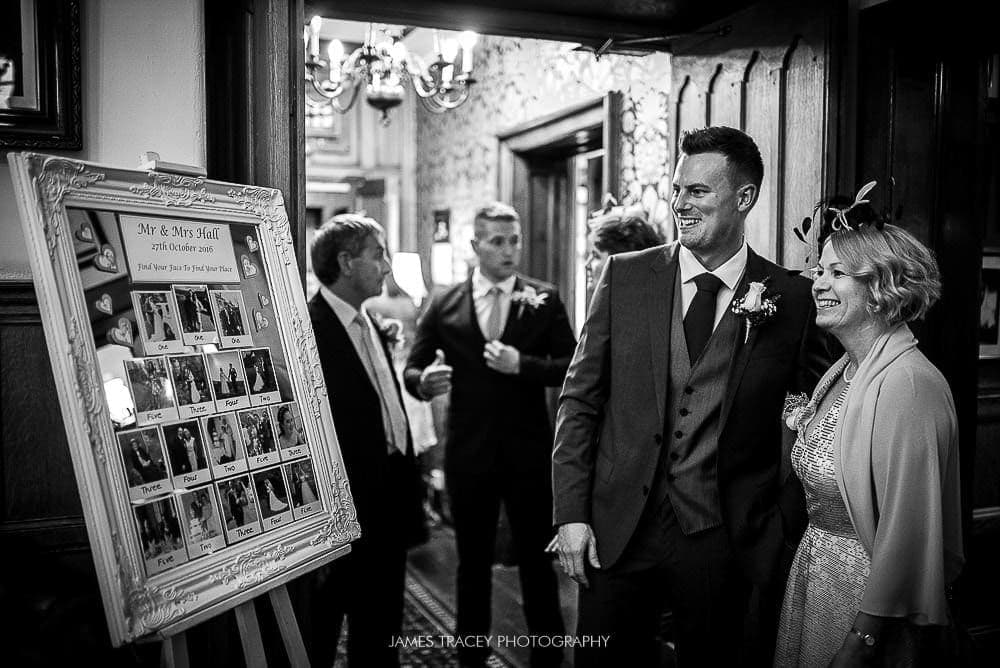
[
  {"x": 617, "y": 229},
  {"x": 350, "y": 260},
  {"x": 877, "y": 454}
]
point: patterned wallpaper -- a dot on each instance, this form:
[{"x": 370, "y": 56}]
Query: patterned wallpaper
[{"x": 523, "y": 79}]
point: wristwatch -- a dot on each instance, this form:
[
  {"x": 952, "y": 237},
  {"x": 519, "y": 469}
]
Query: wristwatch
[{"x": 867, "y": 638}]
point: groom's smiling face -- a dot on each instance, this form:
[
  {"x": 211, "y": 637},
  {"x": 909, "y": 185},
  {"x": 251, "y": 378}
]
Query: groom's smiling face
[{"x": 709, "y": 208}]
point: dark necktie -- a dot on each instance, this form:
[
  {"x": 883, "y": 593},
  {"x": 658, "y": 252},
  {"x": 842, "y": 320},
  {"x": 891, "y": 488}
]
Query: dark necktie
[{"x": 700, "y": 319}]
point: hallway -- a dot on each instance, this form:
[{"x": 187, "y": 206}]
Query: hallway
[{"x": 431, "y": 575}]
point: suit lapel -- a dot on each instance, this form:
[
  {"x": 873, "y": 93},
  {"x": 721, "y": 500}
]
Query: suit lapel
[
  {"x": 742, "y": 350},
  {"x": 513, "y": 325},
  {"x": 466, "y": 313},
  {"x": 342, "y": 341},
  {"x": 658, "y": 302}
]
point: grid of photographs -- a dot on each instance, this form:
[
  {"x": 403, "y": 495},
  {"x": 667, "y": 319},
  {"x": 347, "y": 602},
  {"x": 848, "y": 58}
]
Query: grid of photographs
[{"x": 211, "y": 452}]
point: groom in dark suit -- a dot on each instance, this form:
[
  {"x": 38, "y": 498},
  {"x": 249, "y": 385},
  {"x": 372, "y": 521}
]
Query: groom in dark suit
[
  {"x": 499, "y": 339},
  {"x": 667, "y": 473},
  {"x": 349, "y": 259}
]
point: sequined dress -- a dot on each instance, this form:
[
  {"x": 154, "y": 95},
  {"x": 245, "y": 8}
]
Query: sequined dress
[{"x": 828, "y": 575}]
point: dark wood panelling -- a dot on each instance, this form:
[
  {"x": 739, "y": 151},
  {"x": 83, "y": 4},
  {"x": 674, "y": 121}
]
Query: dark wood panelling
[
  {"x": 254, "y": 80},
  {"x": 769, "y": 78}
]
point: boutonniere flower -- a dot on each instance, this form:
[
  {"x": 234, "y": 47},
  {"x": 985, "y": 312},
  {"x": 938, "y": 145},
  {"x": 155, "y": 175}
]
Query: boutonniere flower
[
  {"x": 390, "y": 329},
  {"x": 527, "y": 296},
  {"x": 756, "y": 306},
  {"x": 798, "y": 409}
]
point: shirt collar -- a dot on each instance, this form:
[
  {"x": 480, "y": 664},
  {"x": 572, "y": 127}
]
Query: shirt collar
[
  {"x": 482, "y": 285},
  {"x": 345, "y": 312},
  {"x": 729, "y": 272}
]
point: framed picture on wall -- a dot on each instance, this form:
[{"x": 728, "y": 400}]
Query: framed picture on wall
[
  {"x": 989, "y": 305},
  {"x": 40, "y": 89}
]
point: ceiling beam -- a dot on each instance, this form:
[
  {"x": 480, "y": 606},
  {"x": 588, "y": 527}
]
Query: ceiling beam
[{"x": 514, "y": 22}]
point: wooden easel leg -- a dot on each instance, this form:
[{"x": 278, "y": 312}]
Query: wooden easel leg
[
  {"x": 253, "y": 646},
  {"x": 174, "y": 651},
  {"x": 289, "y": 627}
]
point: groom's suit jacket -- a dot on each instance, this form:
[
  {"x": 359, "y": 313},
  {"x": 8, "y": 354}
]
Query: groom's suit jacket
[
  {"x": 491, "y": 411},
  {"x": 611, "y": 424}
]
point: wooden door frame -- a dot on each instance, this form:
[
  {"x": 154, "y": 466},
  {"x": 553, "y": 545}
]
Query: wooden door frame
[{"x": 604, "y": 111}]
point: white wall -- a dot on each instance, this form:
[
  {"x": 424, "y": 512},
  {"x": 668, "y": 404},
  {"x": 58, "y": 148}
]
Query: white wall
[{"x": 143, "y": 90}]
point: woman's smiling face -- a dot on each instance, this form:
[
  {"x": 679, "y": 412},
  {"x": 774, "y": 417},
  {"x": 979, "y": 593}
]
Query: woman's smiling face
[{"x": 841, "y": 299}]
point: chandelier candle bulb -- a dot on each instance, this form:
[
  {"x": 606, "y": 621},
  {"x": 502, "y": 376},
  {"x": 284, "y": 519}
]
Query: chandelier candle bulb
[
  {"x": 314, "y": 27},
  {"x": 468, "y": 40}
]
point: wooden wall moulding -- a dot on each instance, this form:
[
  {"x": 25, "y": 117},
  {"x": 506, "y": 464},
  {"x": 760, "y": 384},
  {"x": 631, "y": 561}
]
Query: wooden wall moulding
[{"x": 190, "y": 386}]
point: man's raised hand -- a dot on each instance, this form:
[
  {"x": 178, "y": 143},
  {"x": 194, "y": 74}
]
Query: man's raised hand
[{"x": 435, "y": 378}]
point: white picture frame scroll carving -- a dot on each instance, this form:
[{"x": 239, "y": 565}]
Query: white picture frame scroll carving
[{"x": 191, "y": 389}]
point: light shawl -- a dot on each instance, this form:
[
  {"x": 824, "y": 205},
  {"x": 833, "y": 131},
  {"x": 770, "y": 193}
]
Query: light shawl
[{"x": 896, "y": 462}]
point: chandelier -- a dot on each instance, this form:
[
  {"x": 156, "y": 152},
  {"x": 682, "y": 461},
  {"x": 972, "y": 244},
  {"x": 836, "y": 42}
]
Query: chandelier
[{"x": 381, "y": 66}]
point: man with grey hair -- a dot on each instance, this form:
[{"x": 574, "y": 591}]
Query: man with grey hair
[
  {"x": 499, "y": 338},
  {"x": 350, "y": 260}
]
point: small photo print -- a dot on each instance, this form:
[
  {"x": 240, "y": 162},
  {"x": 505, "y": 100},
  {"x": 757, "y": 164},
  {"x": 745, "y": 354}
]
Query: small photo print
[
  {"x": 156, "y": 317},
  {"x": 191, "y": 385},
  {"x": 225, "y": 445},
  {"x": 275, "y": 507},
  {"x": 239, "y": 508},
  {"x": 231, "y": 318},
  {"x": 202, "y": 522},
  {"x": 302, "y": 488},
  {"x": 144, "y": 461},
  {"x": 195, "y": 312},
  {"x": 160, "y": 535},
  {"x": 151, "y": 389},
  {"x": 260, "y": 377},
  {"x": 228, "y": 379},
  {"x": 258, "y": 436},
  {"x": 291, "y": 433},
  {"x": 189, "y": 464}
]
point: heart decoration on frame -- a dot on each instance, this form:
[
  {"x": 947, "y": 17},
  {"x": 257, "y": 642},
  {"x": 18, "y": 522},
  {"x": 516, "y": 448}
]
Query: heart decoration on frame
[
  {"x": 122, "y": 334},
  {"x": 106, "y": 260},
  {"x": 264, "y": 300},
  {"x": 260, "y": 320},
  {"x": 85, "y": 233},
  {"x": 249, "y": 268},
  {"x": 252, "y": 244},
  {"x": 104, "y": 304}
]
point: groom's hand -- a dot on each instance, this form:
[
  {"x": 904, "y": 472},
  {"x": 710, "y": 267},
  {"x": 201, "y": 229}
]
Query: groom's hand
[{"x": 576, "y": 543}]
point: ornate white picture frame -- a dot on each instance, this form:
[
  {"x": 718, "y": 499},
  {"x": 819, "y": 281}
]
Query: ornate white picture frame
[{"x": 162, "y": 566}]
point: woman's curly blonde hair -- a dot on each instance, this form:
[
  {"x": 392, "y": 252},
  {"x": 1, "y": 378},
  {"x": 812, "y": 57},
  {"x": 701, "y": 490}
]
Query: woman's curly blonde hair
[{"x": 900, "y": 273}]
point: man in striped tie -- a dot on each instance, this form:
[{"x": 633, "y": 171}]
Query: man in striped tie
[{"x": 499, "y": 339}]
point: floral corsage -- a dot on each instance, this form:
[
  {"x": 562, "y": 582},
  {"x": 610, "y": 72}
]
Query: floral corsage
[
  {"x": 797, "y": 411},
  {"x": 756, "y": 306},
  {"x": 527, "y": 296}
]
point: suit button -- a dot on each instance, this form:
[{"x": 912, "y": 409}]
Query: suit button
[
  {"x": 674, "y": 456},
  {"x": 679, "y": 434},
  {"x": 685, "y": 412},
  {"x": 658, "y": 439},
  {"x": 645, "y": 490},
  {"x": 688, "y": 390}
]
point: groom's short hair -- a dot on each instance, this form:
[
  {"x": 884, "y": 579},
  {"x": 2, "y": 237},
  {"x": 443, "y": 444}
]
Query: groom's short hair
[{"x": 739, "y": 148}]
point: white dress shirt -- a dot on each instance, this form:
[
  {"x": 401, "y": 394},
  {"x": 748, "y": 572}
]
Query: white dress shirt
[
  {"x": 483, "y": 300},
  {"x": 730, "y": 273},
  {"x": 393, "y": 415}
]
